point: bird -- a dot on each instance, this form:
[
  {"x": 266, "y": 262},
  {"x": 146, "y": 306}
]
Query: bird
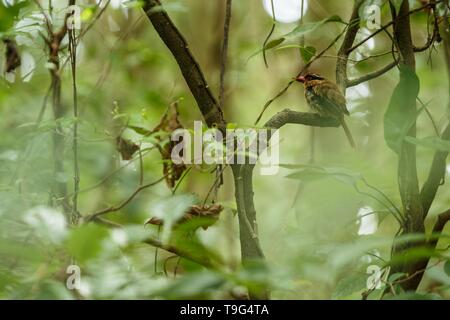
[{"x": 324, "y": 97}]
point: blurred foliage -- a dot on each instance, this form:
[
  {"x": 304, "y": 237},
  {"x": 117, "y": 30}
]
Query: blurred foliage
[{"x": 313, "y": 225}]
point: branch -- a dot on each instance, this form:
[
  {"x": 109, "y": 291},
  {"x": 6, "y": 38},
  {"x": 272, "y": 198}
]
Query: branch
[
  {"x": 438, "y": 167},
  {"x": 371, "y": 75},
  {"x": 293, "y": 117},
  {"x": 343, "y": 54},
  {"x": 435, "y": 176},
  {"x": 224, "y": 53},
  {"x": 407, "y": 163},
  {"x": 75, "y": 215},
  {"x": 208, "y": 106},
  {"x": 415, "y": 277},
  {"x": 442, "y": 220},
  {"x": 203, "y": 261},
  {"x": 383, "y": 28},
  {"x": 435, "y": 34},
  {"x": 305, "y": 67},
  {"x": 189, "y": 66},
  {"x": 124, "y": 203}
]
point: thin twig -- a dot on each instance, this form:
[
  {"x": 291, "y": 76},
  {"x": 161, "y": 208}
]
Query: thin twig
[
  {"x": 205, "y": 261},
  {"x": 73, "y": 54},
  {"x": 430, "y": 116},
  {"x": 216, "y": 182},
  {"x": 123, "y": 203},
  {"x": 390, "y": 24},
  {"x": 372, "y": 75},
  {"x": 272, "y": 29}
]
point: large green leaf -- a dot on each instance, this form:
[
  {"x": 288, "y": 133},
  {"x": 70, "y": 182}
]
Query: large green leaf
[
  {"x": 447, "y": 267},
  {"x": 402, "y": 112},
  {"x": 434, "y": 143},
  {"x": 350, "y": 285},
  {"x": 86, "y": 242}
]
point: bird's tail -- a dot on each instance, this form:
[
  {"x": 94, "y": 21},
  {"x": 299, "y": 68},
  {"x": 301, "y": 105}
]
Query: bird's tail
[{"x": 348, "y": 133}]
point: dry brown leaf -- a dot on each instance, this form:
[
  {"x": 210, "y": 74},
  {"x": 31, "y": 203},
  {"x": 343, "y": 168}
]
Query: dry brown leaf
[
  {"x": 210, "y": 211},
  {"x": 126, "y": 148},
  {"x": 12, "y": 57},
  {"x": 168, "y": 124}
]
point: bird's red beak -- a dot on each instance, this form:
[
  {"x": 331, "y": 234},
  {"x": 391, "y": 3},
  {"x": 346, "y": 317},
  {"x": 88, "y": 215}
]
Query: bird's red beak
[{"x": 300, "y": 79}]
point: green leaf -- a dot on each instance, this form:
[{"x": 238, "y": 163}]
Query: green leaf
[
  {"x": 272, "y": 44},
  {"x": 86, "y": 242},
  {"x": 311, "y": 26},
  {"x": 307, "y": 53},
  {"x": 313, "y": 173},
  {"x": 434, "y": 143},
  {"x": 396, "y": 276},
  {"x": 447, "y": 267},
  {"x": 349, "y": 285},
  {"x": 402, "y": 112},
  {"x": 9, "y": 13},
  {"x": 296, "y": 32},
  {"x": 193, "y": 285}
]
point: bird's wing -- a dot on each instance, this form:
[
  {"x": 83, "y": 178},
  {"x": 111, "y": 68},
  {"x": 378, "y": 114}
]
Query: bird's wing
[{"x": 330, "y": 95}]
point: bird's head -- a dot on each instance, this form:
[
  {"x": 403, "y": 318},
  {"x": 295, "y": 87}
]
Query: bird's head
[{"x": 309, "y": 77}]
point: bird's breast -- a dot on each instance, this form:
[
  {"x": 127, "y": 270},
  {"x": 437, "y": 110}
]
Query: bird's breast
[{"x": 312, "y": 99}]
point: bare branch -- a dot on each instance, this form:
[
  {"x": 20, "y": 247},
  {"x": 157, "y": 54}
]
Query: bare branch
[
  {"x": 435, "y": 34},
  {"x": 189, "y": 66},
  {"x": 124, "y": 203},
  {"x": 441, "y": 221},
  {"x": 438, "y": 167},
  {"x": 371, "y": 75},
  {"x": 293, "y": 117},
  {"x": 350, "y": 35},
  {"x": 224, "y": 53}
]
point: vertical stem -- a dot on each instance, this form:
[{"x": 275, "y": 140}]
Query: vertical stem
[
  {"x": 248, "y": 229},
  {"x": 407, "y": 168},
  {"x": 73, "y": 53},
  {"x": 272, "y": 29},
  {"x": 224, "y": 53},
  {"x": 59, "y": 186},
  {"x": 343, "y": 54}
]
